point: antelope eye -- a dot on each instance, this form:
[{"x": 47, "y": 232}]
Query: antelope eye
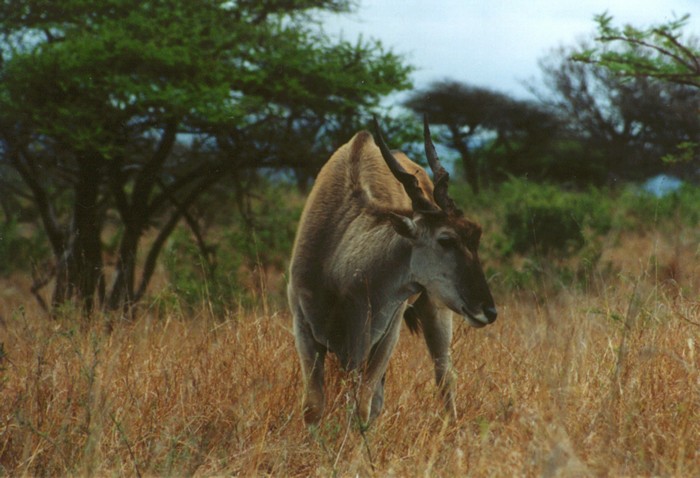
[{"x": 448, "y": 242}]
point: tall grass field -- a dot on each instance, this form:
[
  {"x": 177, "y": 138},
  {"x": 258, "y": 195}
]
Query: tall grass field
[{"x": 592, "y": 369}]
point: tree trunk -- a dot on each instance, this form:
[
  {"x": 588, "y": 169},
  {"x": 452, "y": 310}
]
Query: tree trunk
[
  {"x": 122, "y": 294},
  {"x": 80, "y": 272},
  {"x": 471, "y": 173}
]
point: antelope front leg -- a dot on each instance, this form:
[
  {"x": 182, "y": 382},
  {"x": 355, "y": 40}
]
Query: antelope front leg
[
  {"x": 371, "y": 397},
  {"x": 437, "y": 331},
  {"x": 312, "y": 357}
]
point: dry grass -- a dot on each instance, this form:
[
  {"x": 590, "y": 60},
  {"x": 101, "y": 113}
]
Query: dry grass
[{"x": 573, "y": 383}]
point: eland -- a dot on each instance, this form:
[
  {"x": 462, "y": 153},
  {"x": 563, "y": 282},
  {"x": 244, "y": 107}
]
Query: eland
[{"x": 378, "y": 241}]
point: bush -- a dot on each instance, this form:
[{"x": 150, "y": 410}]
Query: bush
[
  {"x": 194, "y": 278},
  {"x": 235, "y": 271},
  {"x": 638, "y": 209},
  {"x": 268, "y": 237},
  {"x": 544, "y": 219}
]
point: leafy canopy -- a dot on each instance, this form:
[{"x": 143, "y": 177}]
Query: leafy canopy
[
  {"x": 660, "y": 51},
  {"x": 82, "y": 72}
]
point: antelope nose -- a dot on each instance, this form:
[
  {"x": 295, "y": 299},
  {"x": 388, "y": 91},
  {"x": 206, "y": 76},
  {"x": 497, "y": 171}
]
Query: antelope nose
[{"x": 491, "y": 313}]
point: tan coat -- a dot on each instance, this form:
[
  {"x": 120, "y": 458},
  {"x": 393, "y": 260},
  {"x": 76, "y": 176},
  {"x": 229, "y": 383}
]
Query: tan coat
[{"x": 362, "y": 253}]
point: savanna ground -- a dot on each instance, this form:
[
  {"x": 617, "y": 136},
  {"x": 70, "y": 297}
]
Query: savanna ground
[{"x": 594, "y": 377}]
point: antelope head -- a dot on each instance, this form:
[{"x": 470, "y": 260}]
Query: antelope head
[{"x": 444, "y": 255}]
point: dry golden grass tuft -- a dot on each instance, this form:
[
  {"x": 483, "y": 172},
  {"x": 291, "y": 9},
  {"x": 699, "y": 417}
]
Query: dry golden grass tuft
[{"x": 604, "y": 381}]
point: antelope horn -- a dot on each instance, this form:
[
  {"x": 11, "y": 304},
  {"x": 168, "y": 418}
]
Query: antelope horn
[
  {"x": 408, "y": 180},
  {"x": 440, "y": 174}
]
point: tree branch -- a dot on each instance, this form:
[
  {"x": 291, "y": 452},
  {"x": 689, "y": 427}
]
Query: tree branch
[
  {"x": 167, "y": 229},
  {"x": 148, "y": 175},
  {"x": 116, "y": 185},
  {"x": 53, "y": 230},
  {"x": 687, "y": 59},
  {"x": 684, "y": 49},
  {"x": 665, "y": 52},
  {"x": 194, "y": 226},
  {"x": 180, "y": 183}
]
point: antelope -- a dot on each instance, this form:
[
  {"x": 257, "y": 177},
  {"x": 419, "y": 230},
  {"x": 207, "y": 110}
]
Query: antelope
[{"x": 378, "y": 241}]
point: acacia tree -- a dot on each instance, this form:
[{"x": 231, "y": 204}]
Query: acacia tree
[
  {"x": 624, "y": 123},
  {"x": 464, "y": 110},
  {"x": 661, "y": 52},
  {"x": 127, "y": 111},
  {"x": 511, "y": 127}
]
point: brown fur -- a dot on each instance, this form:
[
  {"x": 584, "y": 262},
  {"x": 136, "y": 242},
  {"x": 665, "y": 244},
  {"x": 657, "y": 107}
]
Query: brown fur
[
  {"x": 355, "y": 268},
  {"x": 354, "y": 186}
]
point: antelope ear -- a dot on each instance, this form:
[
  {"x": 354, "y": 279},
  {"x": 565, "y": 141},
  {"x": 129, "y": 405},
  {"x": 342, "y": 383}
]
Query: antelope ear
[{"x": 404, "y": 226}]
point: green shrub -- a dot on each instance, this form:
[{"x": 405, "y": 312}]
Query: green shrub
[
  {"x": 268, "y": 237},
  {"x": 638, "y": 210},
  {"x": 544, "y": 219},
  {"x": 229, "y": 276},
  {"x": 194, "y": 278}
]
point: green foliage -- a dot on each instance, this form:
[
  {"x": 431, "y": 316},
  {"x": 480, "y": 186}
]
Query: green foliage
[
  {"x": 662, "y": 52},
  {"x": 268, "y": 239},
  {"x": 245, "y": 251},
  {"x": 686, "y": 152},
  {"x": 544, "y": 219},
  {"x": 20, "y": 247},
  {"x": 659, "y": 51},
  {"x": 638, "y": 210},
  {"x": 92, "y": 76},
  {"x": 623, "y": 124},
  {"x": 193, "y": 278},
  {"x": 540, "y": 235}
]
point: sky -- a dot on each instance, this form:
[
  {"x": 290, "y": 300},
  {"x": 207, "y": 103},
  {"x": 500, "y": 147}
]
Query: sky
[{"x": 493, "y": 43}]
